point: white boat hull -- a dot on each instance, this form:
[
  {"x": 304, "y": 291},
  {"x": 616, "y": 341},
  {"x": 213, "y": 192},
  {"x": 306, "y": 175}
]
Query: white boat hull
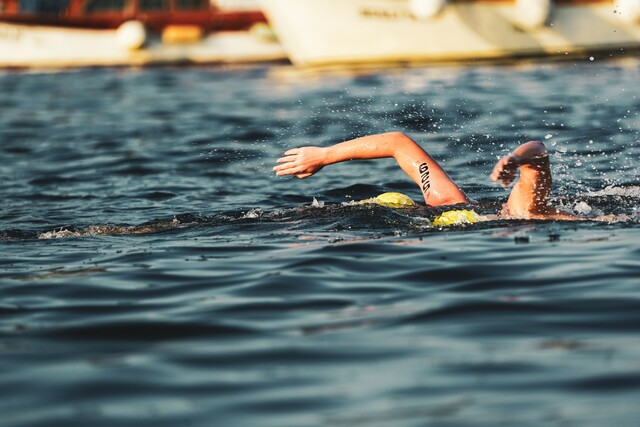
[
  {"x": 317, "y": 32},
  {"x": 41, "y": 46}
]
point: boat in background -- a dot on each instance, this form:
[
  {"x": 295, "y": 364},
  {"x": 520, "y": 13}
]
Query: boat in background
[
  {"x": 323, "y": 32},
  {"x": 62, "y": 33}
]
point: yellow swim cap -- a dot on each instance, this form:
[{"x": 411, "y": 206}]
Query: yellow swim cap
[
  {"x": 399, "y": 200},
  {"x": 394, "y": 200},
  {"x": 457, "y": 217}
]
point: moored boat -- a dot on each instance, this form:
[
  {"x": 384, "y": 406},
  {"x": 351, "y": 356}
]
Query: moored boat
[
  {"x": 123, "y": 32},
  {"x": 319, "y": 32}
]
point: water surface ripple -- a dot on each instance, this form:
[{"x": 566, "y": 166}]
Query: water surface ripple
[{"x": 155, "y": 272}]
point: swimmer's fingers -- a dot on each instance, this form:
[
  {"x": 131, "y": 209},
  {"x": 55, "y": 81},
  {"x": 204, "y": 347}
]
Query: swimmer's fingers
[
  {"x": 291, "y": 167},
  {"x": 300, "y": 162},
  {"x": 287, "y": 169},
  {"x": 297, "y": 171},
  {"x": 505, "y": 176},
  {"x": 502, "y": 173},
  {"x": 505, "y": 170},
  {"x": 295, "y": 154},
  {"x": 285, "y": 159},
  {"x": 506, "y": 180},
  {"x": 286, "y": 165},
  {"x": 497, "y": 170}
]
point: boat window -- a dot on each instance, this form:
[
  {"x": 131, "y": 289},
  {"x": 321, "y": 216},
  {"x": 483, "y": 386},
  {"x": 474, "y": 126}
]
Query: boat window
[
  {"x": 56, "y": 7},
  {"x": 154, "y": 5},
  {"x": 104, "y": 5},
  {"x": 193, "y": 4}
]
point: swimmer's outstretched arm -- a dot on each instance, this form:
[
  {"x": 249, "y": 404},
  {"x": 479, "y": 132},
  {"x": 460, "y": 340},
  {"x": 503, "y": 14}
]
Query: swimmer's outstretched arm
[
  {"x": 528, "y": 198},
  {"x": 435, "y": 185}
]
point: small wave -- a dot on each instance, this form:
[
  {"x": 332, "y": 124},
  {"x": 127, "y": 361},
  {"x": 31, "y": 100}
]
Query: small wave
[
  {"x": 613, "y": 204},
  {"x": 611, "y": 190},
  {"x": 253, "y": 214},
  {"x": 112, "y": 230}
]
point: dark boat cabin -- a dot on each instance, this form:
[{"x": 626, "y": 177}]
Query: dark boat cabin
[{"x": 110, "y": 14}]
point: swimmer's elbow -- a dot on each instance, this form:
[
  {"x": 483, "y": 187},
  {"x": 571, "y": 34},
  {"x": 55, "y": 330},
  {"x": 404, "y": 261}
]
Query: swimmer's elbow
[
  {"x": 532, "y": 153},
  {"x": 535, "y": 149},
  {"x": 538, "y": 144},
  {"x": 399, "y": 141},
  {"x": 539, "y": 147},
  {"x": 396, "y": 136}
]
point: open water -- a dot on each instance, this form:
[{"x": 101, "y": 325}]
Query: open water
[{"x": 155, "y": 272}]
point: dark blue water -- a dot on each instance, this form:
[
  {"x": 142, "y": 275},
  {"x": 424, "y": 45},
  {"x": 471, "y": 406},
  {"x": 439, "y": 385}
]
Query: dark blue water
[{"x": 155, "y": 272}]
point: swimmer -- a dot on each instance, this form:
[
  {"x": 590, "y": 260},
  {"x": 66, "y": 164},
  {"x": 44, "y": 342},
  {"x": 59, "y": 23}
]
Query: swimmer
[{"x": 527, "y": 200}]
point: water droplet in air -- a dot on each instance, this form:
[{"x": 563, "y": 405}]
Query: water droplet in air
[
  {"x": 591, "y": 58},
  {"x": 548, "y": 136}
]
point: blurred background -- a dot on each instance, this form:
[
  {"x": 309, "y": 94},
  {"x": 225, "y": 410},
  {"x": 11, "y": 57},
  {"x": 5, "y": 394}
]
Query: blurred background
[{"x": 67, "y": 33}]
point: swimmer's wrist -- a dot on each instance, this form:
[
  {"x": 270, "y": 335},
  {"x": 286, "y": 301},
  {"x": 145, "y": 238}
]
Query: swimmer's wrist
[
  {"x": 516, "y": 160},
  {"x": 330, "y": 155}
]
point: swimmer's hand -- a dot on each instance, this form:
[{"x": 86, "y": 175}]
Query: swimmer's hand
[
  {"x": 533, "y": 156},
  {"x": 301, "y": 162},
  {"x": 506, "y": 169}
]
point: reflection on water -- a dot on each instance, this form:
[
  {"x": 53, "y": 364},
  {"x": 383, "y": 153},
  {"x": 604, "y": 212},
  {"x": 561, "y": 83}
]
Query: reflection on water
[{"x": 155, "y": 271}]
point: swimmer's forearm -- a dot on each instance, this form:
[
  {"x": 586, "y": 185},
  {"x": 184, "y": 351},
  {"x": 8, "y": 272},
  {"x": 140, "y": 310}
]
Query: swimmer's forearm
[
  {"x": 407, "y": 153},
  {"x": 367, "y": 147}
]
